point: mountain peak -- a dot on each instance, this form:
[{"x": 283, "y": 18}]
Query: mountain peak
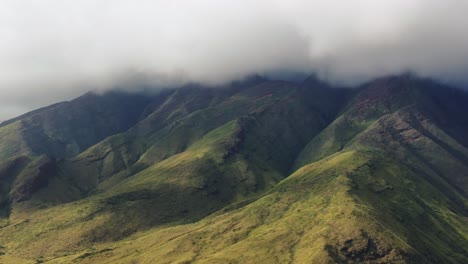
[{"x": 314, "y": 81}]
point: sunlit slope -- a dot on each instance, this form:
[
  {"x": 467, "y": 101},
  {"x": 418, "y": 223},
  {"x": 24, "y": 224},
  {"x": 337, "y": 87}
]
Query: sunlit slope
[
  {"x": 180, "y": 189},
  {"x": 222, "y": 167},
  {"x": 352, "y": 207},
  {"x": 256, "y": 172},
  {"x": 413, "y": 120}
]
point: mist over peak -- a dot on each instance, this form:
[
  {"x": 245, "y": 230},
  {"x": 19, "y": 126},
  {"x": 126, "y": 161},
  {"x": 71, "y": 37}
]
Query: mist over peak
[{"x": 54, "y": 50}]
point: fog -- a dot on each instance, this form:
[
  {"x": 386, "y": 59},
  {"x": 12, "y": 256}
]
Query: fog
[{"x": 52, "y": 50}]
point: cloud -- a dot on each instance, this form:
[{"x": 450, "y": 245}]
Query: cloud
[{"x": 53, "y": 50}]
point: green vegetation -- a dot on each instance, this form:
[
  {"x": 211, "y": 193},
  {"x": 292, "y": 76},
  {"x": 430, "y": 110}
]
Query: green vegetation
[{"x": 256, "y": 172}]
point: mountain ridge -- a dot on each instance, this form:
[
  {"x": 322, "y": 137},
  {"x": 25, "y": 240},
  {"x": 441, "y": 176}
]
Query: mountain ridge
[{"x": 257, "y": 171}]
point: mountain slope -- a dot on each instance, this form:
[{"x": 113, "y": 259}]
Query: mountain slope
[
  {"x": 258, "y": 171},
  {"x": 335, "y": 210},
  {"x": 66, "y": 129}
]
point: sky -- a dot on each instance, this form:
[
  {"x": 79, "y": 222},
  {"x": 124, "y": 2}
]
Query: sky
[{"x": 53, "y": 50}]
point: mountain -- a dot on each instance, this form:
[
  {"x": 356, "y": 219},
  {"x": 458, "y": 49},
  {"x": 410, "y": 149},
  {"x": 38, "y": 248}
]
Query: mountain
[{"x": 255, "y": 171}]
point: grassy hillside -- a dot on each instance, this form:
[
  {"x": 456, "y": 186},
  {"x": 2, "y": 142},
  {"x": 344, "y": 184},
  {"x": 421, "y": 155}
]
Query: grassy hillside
[
  {"x": 348, "y": 207},
  {"x": 255, "y": 172}
]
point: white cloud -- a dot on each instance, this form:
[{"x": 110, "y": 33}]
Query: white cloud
[{"x": 56, "y": 49}]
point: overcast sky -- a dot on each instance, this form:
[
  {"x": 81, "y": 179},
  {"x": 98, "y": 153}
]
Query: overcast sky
[{"x": 53, "y": 50}]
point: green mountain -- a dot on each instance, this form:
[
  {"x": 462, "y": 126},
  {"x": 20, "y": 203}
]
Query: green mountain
[{"x": 256, "y": 171}]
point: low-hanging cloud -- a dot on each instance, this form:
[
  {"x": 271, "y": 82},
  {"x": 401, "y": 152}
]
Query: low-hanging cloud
[{"x": 52, "y": 50}]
